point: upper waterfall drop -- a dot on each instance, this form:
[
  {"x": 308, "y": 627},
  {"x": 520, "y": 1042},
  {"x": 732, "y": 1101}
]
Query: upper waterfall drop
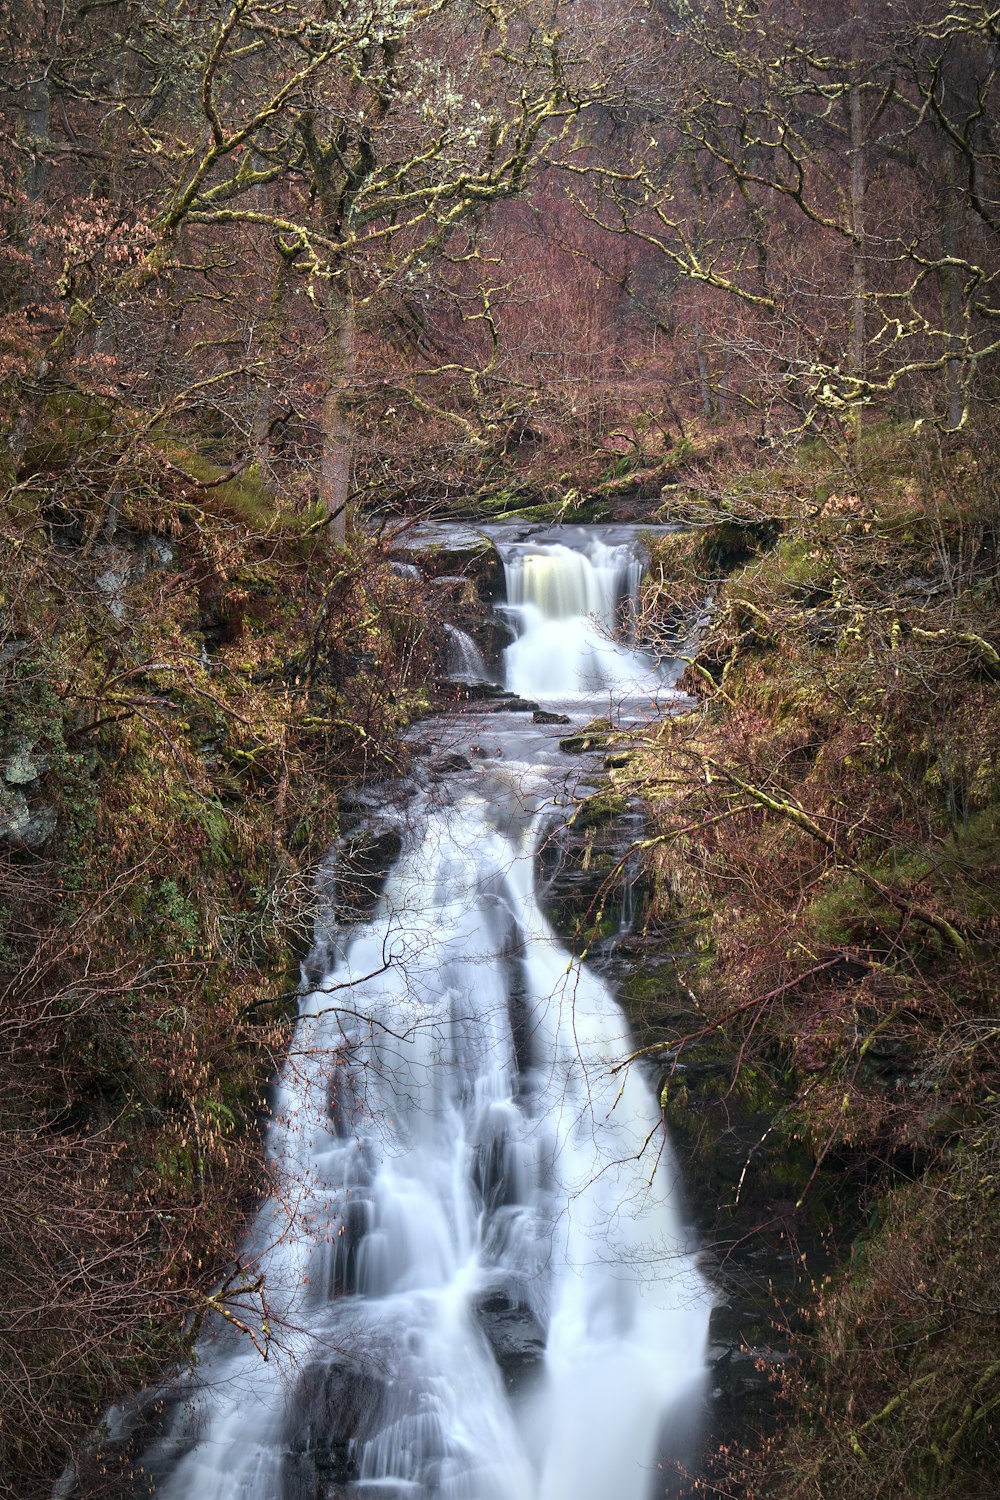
[
  {"x": 571, "y": 607},
  {"x": 564, "y": 582}
]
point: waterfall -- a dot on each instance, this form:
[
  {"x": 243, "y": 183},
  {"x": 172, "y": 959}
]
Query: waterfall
[
  {"x": 570, "y": 606},
  {"x": 464, "y": 659},
  {"x": 459, "y": 1162}
]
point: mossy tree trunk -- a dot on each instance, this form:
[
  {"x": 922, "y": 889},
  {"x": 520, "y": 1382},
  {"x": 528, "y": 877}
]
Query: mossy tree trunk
[
  {"x": 336, "y": 466},
  {"x": 262, "y": 417},
  {"x": 858, "y": 360}
]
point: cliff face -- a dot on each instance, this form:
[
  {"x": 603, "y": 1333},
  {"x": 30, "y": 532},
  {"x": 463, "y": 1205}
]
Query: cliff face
[
  {"x": 184, "y": 693},
  {"x": 824, "y": 853}
]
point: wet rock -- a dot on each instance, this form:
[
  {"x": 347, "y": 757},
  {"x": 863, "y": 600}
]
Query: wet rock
[
  {"x": 598, "y": 811},
  {"x": 376, "y": 806},
  {"x": 695, "y": 1071},
  {"x": 591, "y": 887},
  {"x": 595, "y": 736},
  {"x": 515, "y": 1336},
  {"x": 453, "y": 583},
  {"x": 334, "y": 1408},
  {"x": 487, "y": 697},
  {"x": 543, "y": 716},
  {"x": 443, "y": 551},
  {"x": 469, "y": 692},
  {"x": 742, "y": 1376},
  {"x": 445, "y": 765},
  {"x": 361, "y": 870}
]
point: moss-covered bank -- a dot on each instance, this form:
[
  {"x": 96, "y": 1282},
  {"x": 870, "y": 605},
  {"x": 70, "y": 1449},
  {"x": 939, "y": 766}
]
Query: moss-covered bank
[
  {"x": 188, "y": 676},
  {"x": 824, "y": 847}
]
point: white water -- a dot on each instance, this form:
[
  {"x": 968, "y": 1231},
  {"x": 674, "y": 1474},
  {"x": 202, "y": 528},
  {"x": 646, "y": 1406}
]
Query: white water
[
  {"x": 571, "y": 606},
  {"x": 450, "y": 1127},
  {"x": 465, "y": 661}
]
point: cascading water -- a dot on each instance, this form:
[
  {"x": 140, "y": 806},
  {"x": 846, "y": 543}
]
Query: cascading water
[
  {"x": 568, "y": 604},
  {"x": 465, "y": 660},
  {"x": 456, "y": 1155}
]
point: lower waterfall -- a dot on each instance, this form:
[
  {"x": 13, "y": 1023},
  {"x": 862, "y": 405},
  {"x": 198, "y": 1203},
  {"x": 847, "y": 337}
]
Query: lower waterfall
[{"x": 459, "y": 1167}]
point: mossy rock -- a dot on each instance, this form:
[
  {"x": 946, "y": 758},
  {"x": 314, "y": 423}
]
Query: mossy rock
[
  {"x": 729, "y": 544},
  {"x": 598, "y": 811},
  {"x": 476, "y": 561},
  {"x": 596, "y": 735}
]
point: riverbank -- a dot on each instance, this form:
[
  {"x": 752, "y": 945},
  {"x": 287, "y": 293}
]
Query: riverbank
[
  {"x": 185, "y": 695},
  {"x": 824, "y": 847}
]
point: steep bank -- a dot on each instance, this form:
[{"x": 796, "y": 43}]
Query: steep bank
[
  {"x": 824, "y": 851},
  {"x": 187, "y": 686}
]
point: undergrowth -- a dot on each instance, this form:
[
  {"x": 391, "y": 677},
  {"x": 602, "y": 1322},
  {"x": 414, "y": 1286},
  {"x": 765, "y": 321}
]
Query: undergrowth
[
  {"x": 824, "y": 846},
  {"x": 188, "y": 679}
]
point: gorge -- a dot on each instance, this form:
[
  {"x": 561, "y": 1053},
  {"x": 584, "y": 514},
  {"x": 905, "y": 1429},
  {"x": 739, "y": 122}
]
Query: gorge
[{"x": 479, "y": 1284}]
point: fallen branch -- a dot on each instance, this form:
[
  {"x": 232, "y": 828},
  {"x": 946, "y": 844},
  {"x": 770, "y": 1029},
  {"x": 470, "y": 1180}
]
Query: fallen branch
[{"x": 987, "y": 654}]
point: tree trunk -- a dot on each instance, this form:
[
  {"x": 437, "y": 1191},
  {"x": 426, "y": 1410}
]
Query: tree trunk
[
  {"x": 32, "y": 125},
  {"x": 35, "y": 129},
  {"x": 272, "y": 328},
  {"x": 951, "y": 289},
  {"x": 704, "y": 373},
  {"x": 858, "y": 286},
  {"x": 704, "y": 380},
  {"x": 337, "y": 456}
]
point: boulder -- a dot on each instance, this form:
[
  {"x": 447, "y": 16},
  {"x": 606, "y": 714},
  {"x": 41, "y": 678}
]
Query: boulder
[
  {"x": 24, "y": 764},
  {"x": 515, "y": 1336},
  {"x": 21, "y": 825}
]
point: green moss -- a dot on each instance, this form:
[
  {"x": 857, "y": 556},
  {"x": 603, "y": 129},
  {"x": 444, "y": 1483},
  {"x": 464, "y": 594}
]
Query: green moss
[
  {"x": 245, "y": 498},
  {"x": 178, "y": 916},
  {"x": 71, "y": 422},
  {"x": 598, "y": 811},
  {"x": 595, "y": 735}
]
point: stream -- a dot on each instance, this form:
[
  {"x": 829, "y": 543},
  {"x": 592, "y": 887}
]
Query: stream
[{"x": 478, "y": 1282}]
